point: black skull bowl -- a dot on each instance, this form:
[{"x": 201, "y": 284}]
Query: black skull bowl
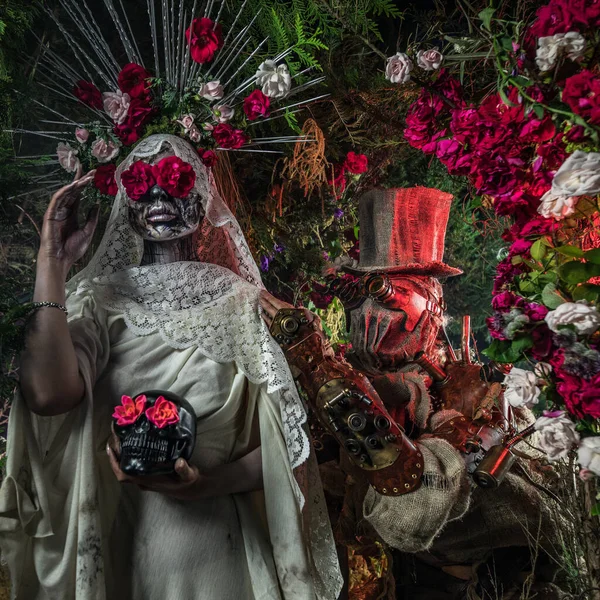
[{"x": 155, "y": 429}]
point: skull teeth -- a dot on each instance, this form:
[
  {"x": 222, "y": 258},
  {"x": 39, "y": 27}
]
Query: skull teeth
[{"x": 147, "y": 449}]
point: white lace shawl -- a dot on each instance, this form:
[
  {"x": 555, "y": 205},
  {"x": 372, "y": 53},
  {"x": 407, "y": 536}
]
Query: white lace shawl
[{"x": 211, "y": 304}]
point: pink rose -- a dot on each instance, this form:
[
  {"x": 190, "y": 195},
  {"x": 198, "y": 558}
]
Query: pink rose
[
  {"x": 212, "y": 90},
  {"x": 223, "y": 113},
  {"x": 116, "y": 105},
  {"x": 186, "y": 121},
  {"x": 67, "y": 157},
  {"x": 104, "y": 151},
  {"x": 82, "y": 135}
]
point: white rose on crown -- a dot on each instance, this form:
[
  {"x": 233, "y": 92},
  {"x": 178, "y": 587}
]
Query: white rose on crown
[
  {"x": 521, "y": 388},
  {"x": 429, "y": 60},
  {"x": 398, "y": 68},
  {"x": 275, "y": 81},
  {"x": 572, "y": 44},
  {"x": 588, "y": 454},
  {"x": 585, "y": 319},
  {"x": 557, "y": 434}
]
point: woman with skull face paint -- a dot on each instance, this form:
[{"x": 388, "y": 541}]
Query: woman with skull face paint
[{"x": 169, "y": 301}]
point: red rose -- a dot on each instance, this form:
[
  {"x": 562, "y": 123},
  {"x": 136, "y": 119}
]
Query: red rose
[
  {"x": 581, "y": 396},
  {"x": 89, "y": 94},
  {"x": 585, "y": 12},
  {"x": 338, "y": 181},
  {"x": 127, "y": 134},
  {"x": 104, "y": 179},
  {"x": 163, "y": 413},
  {"x": 227, "y": 137},
  {"x": 505, "y": 301},
  {"x": 356, "y": 163},
  {"x": 138, "y": 179},
  {"x": 553, "y": 18},
  {"x": 139, "y": 113},
  {"x": 581, "y": 93},
  {"x": 538, "y": 131},
  {"x": 133, "y": 80},
  {"x": 542, "y": 342},
  {"x": 256, "y": 105},
  {"x": 208, "y": 157},
  {"x": 175, "y": 176},
  {"x": 204, "y": 39},
  {"x": 130, "y": 410}
]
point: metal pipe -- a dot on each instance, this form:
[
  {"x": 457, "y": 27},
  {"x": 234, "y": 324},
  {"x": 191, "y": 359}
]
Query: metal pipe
[
  {"x": 465, "y": 345},
  {"x": 437, "y": 373}
]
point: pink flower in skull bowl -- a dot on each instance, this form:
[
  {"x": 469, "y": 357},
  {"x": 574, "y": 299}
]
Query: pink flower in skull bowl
[
  {"x": 129, "y": 410},
  {"x": 163, "y": 413}
]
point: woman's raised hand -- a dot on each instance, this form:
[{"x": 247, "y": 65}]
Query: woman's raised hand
[{"x": 63, "y": 240}]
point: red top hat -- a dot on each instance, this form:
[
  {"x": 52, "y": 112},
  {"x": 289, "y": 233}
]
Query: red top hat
[{"x": 402, "y": 231}]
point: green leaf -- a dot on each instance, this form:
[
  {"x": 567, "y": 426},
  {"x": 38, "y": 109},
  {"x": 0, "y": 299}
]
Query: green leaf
[
  {"x": 573, "y": 251},
  {"x": 538, "y": 250},
  {"x": 550, "y": 296},
  {"x": 575, "y": 271},
  {"x": 592, "y": 256},
  {"x": 595, "y": 511},
  {"x": 587, "y": 291},
  {"x": 538, "y": 109},
  {"x": 486, "y": 17},
  {"x": 508, "y": 352}
]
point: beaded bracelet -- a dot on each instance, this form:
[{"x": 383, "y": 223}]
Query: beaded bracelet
[{"x": 37, "y": 305}]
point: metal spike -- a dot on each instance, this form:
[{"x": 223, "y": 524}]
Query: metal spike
[
  {"x": 245, "y": 63},
  {"x": 173, "y": 46},
  {"x": 249, "y": 150},
  {"x": 220, "y": 11},
  {"x": 121, "y": 31},
  {"x": 273, "y": 118},
  {"x": 38, "y": 133},
  {"x": 179, "y": 63},
  {"x": 51, "y": 109},
  {"x": 186, "y": 66},
  {"x": 208, "y": 9},
  {"x": 152, "y": 19},
  {"x": 305, "y": 86},
  {"x": 166, "y": 42},
  {"x": 137, "y": 50},
  {"x": 302, "y": 102}
]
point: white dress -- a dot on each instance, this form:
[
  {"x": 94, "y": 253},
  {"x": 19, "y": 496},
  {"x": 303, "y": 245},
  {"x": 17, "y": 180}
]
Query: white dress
[{"x": 69, "y": 530}]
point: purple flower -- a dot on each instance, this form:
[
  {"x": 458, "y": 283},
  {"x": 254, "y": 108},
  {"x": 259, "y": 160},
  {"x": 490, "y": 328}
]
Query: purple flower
[
  {"x": 265, "y": 261},
  {"x": 338, "y": 213},
  {"x": 278, "y": 248}
]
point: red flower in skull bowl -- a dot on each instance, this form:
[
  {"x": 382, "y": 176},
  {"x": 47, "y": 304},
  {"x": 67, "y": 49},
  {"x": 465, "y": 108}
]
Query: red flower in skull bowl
[
  {"x": 129, "y": 410},
  {"x": 163, "y": 413},
  {"x": 204, "y": 39}
]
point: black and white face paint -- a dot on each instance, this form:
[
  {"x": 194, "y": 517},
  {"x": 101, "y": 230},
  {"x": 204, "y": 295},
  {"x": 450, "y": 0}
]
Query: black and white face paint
[{"x": 159, "y": 217}]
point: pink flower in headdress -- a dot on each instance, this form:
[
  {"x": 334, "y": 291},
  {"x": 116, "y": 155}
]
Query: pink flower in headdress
[
  {"x": 175, "y": 176},
  {"x": 138, "y": 179},
  {"x": 67, "y": 157},
  {"x": 130, "y": 410},
  {"x": 104, "y": 151},
  {"x": 82, "y": 135},
  {"x": 204, "y": 39},
  {"x": 88, "y": 93},
  {"x": 163, "y": 413},
  {"x": 116, "y": 105}
]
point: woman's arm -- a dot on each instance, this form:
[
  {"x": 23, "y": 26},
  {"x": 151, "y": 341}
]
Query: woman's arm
[
  {"x": 50, "y": 379},
  {"x": 188, "y": 483}
]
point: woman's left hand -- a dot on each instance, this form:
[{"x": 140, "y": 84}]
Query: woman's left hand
[{"x": 186, "y": 484}]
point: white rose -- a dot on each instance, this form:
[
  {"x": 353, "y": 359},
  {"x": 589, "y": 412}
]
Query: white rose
[
  {"x": 589, "y": 454},
  {"x": 82, "y": 135},
  {"x": 223, "y": 113},
  {"x": 275, "y": 80},
  {"x": 571, "y": 43},
  {"x": 557, "y": 206},
  {"x": 67, "y": 157},
  {"x": 579, "y": 175},
  {"x": 586, "y": 319},
  {"x": 104, "y": 151},
  {"x": 430, "y": 60},
  {"x": 398, "y": 68},
  {"x": 116, "y": 104},
  {"x": 557, "y": 434},
  {"x": 186, "y": 121},
  {"x": 212, "y": 90},
  {"x": 521, "y": 388}
]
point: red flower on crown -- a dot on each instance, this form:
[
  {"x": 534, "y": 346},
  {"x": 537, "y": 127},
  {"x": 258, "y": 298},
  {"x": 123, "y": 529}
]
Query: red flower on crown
[
  {"x": 256, "y": 105},
  {"x": 204, "y": 39},
  {"x": 356, "y": 163},
  {"x": 163, "y": 413},
  {"x": 129, "y": 410},
  {"x": 138, "y": 179},
  {"x": 133, "y": 80},
  {"x": 89, "y": 94},
  {"x": 228, "y": 137},
  {"x": 104, "y": 179}
]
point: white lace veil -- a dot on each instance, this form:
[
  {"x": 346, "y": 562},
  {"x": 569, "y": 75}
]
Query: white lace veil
[{"x": 211, "y": 303}]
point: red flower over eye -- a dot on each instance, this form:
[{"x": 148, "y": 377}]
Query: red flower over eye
[
  {"x": 130, "y": 410},
  {"x": 175, "y": 176},
  {"x": 138, "y": 179},
  {"x": 204, "y": 39},
  {"x": 163, "y": 413}
]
